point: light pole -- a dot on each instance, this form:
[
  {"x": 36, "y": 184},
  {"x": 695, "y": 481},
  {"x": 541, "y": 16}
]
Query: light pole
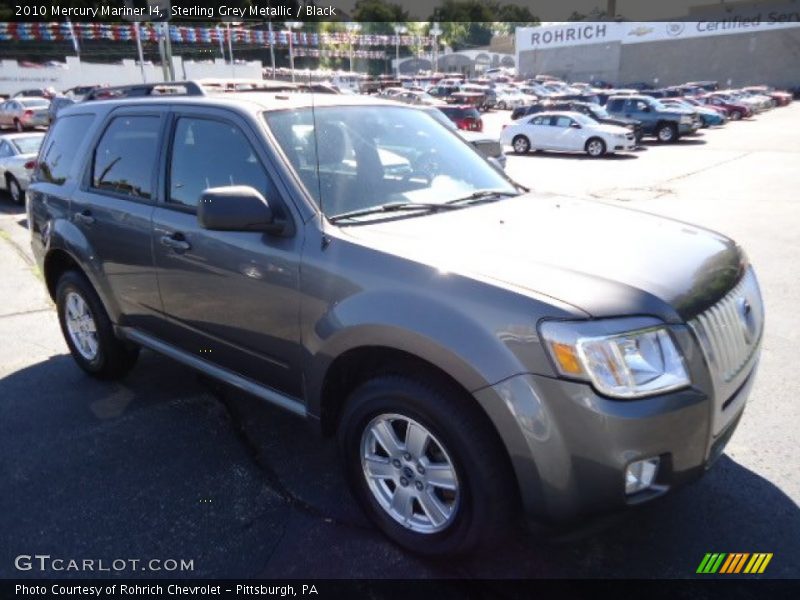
[
  {"x": 435, "y": 31},
  {"x": 352, "y": 29},
  {"x": 230, "y": 49},
  {"x": 290, "y": 27},
  {"x": 398, "y": 31}
]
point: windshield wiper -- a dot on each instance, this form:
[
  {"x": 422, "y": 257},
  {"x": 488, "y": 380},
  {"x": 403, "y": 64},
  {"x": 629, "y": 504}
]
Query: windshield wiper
[
  {"x": 392, "y": 207},
  {"x": 482, "y": 196}
]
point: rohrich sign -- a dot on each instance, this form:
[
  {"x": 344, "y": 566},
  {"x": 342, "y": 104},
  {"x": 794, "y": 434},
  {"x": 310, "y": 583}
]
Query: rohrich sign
[{"x": 581, "y": 34}]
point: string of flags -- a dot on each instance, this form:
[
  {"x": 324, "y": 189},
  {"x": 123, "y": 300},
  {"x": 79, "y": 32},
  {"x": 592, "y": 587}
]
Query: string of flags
[{"x": 203, "y": 35}]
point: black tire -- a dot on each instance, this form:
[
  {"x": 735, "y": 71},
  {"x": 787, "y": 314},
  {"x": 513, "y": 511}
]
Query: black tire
[
  {"x": 114, "y": 357},
  {"x": 19, "y": 126},
  {"x": 487, "y": 498},
  {"x": 595, "y": 149},
  {"x": 521, "y": 144},
  {"x": 736, "y": 115},
  {"x": 15, "y": 190},
  {"x": 667, "y": 133}
]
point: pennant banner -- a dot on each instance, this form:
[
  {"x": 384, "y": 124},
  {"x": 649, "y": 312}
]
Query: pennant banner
[{"x": 193, "y": 35}]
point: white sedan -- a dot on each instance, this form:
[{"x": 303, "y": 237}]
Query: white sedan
[
  {"x": 17, "y": 153},
  {"x": 566, "y": 132}
]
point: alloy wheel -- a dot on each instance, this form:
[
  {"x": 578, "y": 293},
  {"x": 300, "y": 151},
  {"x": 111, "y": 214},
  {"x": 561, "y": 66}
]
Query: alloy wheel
[
  {"x": 409, "y": 473},
  {"x": 595, "y": 148},
  {"x": 81, "y": 326},
  {"x": 15, "y": 191}
]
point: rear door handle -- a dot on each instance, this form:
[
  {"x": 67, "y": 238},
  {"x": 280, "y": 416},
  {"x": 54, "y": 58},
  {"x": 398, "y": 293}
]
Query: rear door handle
[
  {"x": 176, "y": 241},
  {"x": 85, "y": 217}
]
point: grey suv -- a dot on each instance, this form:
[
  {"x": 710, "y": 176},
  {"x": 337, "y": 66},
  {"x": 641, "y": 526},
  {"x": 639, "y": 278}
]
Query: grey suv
[{"x": 477, "y": 349}]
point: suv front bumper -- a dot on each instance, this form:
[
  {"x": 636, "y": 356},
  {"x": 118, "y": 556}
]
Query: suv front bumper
[{"x": 570, "y": 447}]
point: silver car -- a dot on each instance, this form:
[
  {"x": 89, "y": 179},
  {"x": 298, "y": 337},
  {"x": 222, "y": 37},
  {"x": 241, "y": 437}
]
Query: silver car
[
  {"x": 17, "y": 155},
  {"x": 24, "y": 113}
]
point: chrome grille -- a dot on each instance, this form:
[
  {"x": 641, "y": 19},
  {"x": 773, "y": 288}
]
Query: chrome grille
[{"x": 730, "y": 331}]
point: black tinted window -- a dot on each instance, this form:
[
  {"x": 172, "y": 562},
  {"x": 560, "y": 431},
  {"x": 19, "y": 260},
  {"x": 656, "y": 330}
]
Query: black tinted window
[
  {"x": 617, "y": 104},
  {"x": 208, "y": 154},
  {"x": 60, "y": 150},
  {"x": 126, "y": 156}
]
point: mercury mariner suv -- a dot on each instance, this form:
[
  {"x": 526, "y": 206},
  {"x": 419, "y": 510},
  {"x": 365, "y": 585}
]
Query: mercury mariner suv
[{"x": 478, "y": 350}]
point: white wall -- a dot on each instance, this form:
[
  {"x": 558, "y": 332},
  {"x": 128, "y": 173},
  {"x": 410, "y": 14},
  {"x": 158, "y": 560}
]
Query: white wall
[{"x": 14, "y": 77}]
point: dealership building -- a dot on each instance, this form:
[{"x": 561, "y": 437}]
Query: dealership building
[{"x": 761, "y": 46}]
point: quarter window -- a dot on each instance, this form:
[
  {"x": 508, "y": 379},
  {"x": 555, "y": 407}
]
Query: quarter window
[
  {"x": 126, "y": 156},
  {"x": 207, "y": 154},
  {"x": 60, "y": 150}
]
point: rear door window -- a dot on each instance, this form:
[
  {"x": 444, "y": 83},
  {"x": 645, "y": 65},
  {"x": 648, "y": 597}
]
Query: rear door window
[
  {"x": 125, "y": 157},
  {"x": 60, "y": 148}
]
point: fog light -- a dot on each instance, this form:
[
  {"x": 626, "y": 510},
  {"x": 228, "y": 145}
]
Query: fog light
[{"x": 640, "y": 475}]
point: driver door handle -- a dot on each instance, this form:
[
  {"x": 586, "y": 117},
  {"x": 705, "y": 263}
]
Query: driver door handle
[
  {"x": 176, "y": 241},
  {"x": 85, "y": 217}
]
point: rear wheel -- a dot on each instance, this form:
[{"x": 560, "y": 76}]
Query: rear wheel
[
  {"x": 736, "y": 115},
  {"x": 15, "y": 190},
  {"x": 521, "y": 144},
  {"x": 667, "y": 133},
  {"x": 425, "y": 465},
  {"x": 595, "y": 147},
  {"x": 88, "y": 330},
  {"x": 18, "y": 125}
]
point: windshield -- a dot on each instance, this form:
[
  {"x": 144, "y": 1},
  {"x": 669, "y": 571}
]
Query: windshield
[
  {"x": 351, "y": 158},
  {"x": 599, "y": 111},
  {"x": 28, "y": 144},
  {"x": 583, "y": 119},
  {"x": 443, "y": 119}
]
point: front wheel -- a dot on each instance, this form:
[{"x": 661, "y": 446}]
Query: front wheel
[
  {"x": 425, "y": 465},
  {"x": 595, "y": 147},
  {"x": 736, "y": 115},
  {"x": 521, "y": 144},
  {"x": 88, "y": 330},
  {"x": 667, "y": 133}
]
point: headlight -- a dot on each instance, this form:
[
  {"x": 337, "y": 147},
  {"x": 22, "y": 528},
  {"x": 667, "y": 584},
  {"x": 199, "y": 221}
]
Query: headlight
[
  {"x": 621, "y": 136},
  {"x": 621, "y": 364},
  {"x": 686, "y": 119}
]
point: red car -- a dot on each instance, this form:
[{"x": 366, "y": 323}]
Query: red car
[
  {"x": 465, "y": 117},
  {"x": 736, "y": 110},
  {"x": 780, "y": 98},
  {"x": 695, "y": 102}
]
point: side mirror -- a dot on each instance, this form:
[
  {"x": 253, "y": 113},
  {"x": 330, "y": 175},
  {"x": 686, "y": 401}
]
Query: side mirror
[{"x": 235, "y": 208}]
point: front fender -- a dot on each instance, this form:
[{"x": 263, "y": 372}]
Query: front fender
[{"x": 474, "y": 353}]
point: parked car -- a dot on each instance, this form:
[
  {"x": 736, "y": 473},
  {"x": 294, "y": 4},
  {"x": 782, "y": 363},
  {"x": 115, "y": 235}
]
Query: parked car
[
  {"x": 566, "y": 132},
  {"x": 465, "y": 117},
  {"x": 666, "y": 123},
  {"x": 17, "y": 159},
  {"x": 418, "y": 98},
  {"x": 24, "y": 112},
  {"x": 756, "y": 102},
  {"x": 47, "y": 92},
  {"x": 78, "y": 92},
  {"x": 708, "y": 116},
  {"x": 698, "y": 103},
  {"x": 736, "y": 110},
  {"x": 488, "y": 147},
  {"x": 601, "y": 115},
  {"x": 778, "y": 97},
  {"x": 465, "y": 366}
]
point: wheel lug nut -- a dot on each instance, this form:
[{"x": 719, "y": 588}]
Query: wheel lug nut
[
  {"x": 403, "y": 481},
  {"x": 418, "y": 485},
  {"x": 396, "y": 463},
  {"x": 420, "y": 469},
  {"x": 406, "y": 456}
]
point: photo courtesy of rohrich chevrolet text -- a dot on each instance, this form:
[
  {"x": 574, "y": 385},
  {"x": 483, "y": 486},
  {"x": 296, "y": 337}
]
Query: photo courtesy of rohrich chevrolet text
[{"x": 363, "y": 298}]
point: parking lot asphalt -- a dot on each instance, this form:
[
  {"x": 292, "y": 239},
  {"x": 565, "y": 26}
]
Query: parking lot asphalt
[{"x": 167, "y": 465}]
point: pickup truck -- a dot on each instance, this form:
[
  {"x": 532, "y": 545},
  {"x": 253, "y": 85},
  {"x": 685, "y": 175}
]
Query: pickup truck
[{"x": 667, "y": 124}]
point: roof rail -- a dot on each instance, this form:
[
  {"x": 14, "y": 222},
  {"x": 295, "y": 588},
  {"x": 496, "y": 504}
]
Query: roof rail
[{"x": 162, "y": 88}]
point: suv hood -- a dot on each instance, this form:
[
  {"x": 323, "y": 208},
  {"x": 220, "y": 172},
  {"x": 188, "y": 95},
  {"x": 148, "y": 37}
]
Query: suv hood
[{"x": 602, "y": 259}]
